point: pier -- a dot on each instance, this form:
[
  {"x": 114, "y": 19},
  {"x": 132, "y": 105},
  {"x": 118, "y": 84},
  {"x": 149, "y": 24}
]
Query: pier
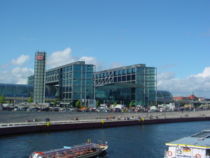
[{"x": 27, "y": 122}]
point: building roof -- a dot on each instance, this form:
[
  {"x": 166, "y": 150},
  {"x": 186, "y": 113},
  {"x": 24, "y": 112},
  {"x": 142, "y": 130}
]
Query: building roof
[
  {"x": 164, "y": 93},
  {"x": 192, "y": 97},
  {"x": 199, "y": 140},
  {"x": 179, "y": 98},
  {"x": 69, "y": 64},
  {"x": 14, "y": 85}
]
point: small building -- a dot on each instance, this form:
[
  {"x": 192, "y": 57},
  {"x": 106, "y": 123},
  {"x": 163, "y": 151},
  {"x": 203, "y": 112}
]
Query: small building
[
  {"x": 189, "y": 98},
  {"x": 180, "y": 98},
  {"x": 192, "y": 97}
]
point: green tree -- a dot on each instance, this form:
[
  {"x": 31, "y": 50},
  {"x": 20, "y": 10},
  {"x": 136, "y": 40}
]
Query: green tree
[
  {"x": 2, "y": 99},
  {"x": 115, "y": 103},
  {"x": 30, "y": 100},
  {"x": 132, "y": 104},
  {"x": 98, "y": 103},
  {"x": 55, "y": 102},
  {"x": 78, "y": 104}
]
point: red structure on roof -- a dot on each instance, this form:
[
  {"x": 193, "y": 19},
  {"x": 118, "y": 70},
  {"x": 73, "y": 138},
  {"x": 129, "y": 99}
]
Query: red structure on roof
[
  {"x": 191, "y": 97},
  {"x": 179, "y": 98}
]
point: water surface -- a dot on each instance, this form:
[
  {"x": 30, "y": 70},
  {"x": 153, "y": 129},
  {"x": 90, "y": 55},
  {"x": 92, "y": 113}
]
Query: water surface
[{"x": 145, "y": 141}]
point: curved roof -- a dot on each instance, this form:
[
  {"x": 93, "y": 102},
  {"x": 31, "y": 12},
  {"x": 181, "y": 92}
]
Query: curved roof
[{"x": 162, "y": 93}]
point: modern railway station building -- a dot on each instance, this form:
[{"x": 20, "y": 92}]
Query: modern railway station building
[{"x": 79, "y": 81}]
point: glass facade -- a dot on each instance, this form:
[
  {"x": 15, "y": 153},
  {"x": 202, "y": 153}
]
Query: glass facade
[
  {"x": 78, "y": 81},
  {"x": 31, "y": 80},
  {"x": 125, "y": 84},
  {"x": 70, "y": 82},
  {"x": 39, "y": 77},
  {"x": 15, "y": 90},
  {"x": 164, "y": 97}
]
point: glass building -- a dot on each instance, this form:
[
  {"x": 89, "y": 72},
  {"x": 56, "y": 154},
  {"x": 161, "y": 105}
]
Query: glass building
[
  {"x": 69, "y": 83},
  {"x": 39, "y": 77},
  {"x": 164, "y": 97},
  {"x": 135, "y": 83},
  {"x": 15, "y": 90},
  {"x": 78, "y": 81},
  {"x": 31, "y": 80}
]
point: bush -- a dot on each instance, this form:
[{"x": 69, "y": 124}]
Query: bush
[{"x": 78, "y": 104}]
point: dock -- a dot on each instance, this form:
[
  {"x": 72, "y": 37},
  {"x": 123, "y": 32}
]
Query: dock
[{"x": 78, "y": 121}]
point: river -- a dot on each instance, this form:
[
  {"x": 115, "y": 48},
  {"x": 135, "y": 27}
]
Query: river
[{"x": 143, "y": 141}]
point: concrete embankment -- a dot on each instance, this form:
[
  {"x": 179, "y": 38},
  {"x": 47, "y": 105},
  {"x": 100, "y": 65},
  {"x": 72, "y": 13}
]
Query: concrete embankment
[{"x": 98, "y": 121}]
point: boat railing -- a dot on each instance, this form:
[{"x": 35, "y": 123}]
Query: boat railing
[{"x": 76, "y": 148}]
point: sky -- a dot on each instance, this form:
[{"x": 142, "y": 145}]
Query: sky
[{"x": 172, "y": 35}]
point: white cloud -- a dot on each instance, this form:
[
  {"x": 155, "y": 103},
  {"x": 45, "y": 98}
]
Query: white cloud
[
  {"x": 91, "y": 60},
  {"x": 116, "y": 65},
  {"x": 59, "y": 58},
  {"x": 166, "y": 76},
  {"x": 205, "y": 73},
  {"x": 63, "y": 57},
  {"x": 20, "y": 60},
  {"x": 17, "y": 75},
  {"x": 199, "y": 84},
  {"x": 21, "y": 74}
]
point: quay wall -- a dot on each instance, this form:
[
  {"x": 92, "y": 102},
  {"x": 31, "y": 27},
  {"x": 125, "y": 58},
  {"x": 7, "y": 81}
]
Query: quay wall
[{"x": 50, "y": 127}]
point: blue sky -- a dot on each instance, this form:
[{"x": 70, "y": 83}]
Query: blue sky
[{"x": 172, "y": 35}]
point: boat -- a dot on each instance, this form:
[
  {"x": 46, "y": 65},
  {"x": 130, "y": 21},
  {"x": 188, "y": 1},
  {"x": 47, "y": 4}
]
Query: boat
[
  {"x": 195, "y": 146},
  {"x": 86, "y": 150}
]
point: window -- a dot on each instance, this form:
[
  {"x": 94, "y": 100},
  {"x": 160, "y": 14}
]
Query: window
[
  {"x": 119, "y": 79},
  {"x": 115, "y": 79},
  {"x": 133, "y": 70},
  {"x": 119, "y": 72},
  {"x": 124, "y": 78},
  {"x": 123, "y": 72},
  {"x": 208, "y": 152}
]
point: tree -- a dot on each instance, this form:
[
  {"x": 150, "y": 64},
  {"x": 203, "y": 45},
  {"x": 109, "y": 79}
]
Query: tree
[
  {"x": 2, "y": 99},
  {"x": 56, "y": 102},
  {"x": 78, "y": 104},
  {"x": 98, "y": 103},
  {"x": 132, "y": 104},
  {"x": 30, "y": 100},
  {"x": 115, "y": 103}
]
